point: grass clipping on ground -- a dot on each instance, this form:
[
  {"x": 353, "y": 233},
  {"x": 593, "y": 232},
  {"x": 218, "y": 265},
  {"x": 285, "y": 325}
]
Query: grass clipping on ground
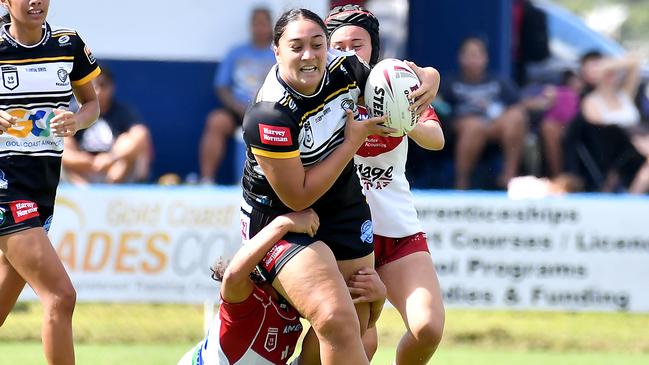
[{"x": 167, "y": 323}]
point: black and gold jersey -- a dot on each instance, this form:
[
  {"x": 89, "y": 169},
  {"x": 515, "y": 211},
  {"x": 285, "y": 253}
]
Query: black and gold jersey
[
  {"x": 36, "y": 79},
  {"x": 283, "y": 123}
]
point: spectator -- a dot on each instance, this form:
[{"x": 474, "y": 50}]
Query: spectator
[
  {"x": 236, "y": 82},
  {"x": 484, "y": 108},
  {"x": 115, "y": 149}
]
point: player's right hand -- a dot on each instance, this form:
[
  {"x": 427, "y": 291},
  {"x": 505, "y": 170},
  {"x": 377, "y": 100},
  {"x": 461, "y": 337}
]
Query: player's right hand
[
  {"x": 305, "y": 221},
  {"x": 6, "y": 121},
  {"x": 358, "y": 130}
]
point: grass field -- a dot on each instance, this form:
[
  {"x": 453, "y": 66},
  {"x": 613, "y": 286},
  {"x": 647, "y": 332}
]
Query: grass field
[{"x": 160, "y": 334}]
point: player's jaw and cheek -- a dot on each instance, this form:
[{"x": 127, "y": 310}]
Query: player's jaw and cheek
[
  {"x": 302, "y": 55},
  {"x": 353, "y": 38},
  {"x": 27, "y": 12}
]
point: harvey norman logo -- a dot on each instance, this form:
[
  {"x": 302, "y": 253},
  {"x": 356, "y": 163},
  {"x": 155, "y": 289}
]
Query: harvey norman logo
[{"x": 274, "y": 135}]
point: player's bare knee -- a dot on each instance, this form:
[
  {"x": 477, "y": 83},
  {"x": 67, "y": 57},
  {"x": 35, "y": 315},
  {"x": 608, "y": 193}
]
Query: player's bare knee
[
  {"x": 336, "y": 324},
  {"x": 429, "y": 332},
  {"x": 61, "y": 303}
]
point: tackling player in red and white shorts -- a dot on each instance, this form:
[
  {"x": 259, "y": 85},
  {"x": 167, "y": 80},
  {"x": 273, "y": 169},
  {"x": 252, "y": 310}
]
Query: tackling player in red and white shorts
[{"x": 401, "y": 252}]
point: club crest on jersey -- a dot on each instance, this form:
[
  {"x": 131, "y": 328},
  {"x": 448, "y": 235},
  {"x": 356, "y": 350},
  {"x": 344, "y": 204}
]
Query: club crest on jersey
[
  {"x": 271, "y": 339},
  {"x": 308, "y": 135},
  {"x": 4, "y": 184},
  {"x": 10, "y": 77},
  {"x": 367, "y": 233},
  {"x": 2, "y": 215},
  {"x": 347, "y": 104},
  {"x": 63, "y": 76},
  {"x": 64, "y": 40}
]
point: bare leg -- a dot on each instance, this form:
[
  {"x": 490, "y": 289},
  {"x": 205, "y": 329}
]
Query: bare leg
[
  {"x": 312, "y": 283},
  {"x": 414, "y": 290},
  {"x": 11, "y": 284},
  {"x": 472, "y": 135},
  {"x": 134, "y": 147},
  {"x": 371, "y": 342},
  {"x": 640, "y": 183},
  {"x": 552, "y": 133},
  {"x": 510, "y": 129},
  {"x": 31, "y": 254},
  {"x": 219, "y": 126}
]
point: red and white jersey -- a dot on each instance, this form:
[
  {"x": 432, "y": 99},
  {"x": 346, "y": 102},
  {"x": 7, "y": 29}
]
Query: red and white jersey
[
  {"x": 257, "y": 331},
  {"x": 381, "y": 167}
]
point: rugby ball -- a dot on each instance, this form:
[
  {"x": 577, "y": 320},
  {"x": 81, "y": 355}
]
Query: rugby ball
[{"x": 386, "y": 93}]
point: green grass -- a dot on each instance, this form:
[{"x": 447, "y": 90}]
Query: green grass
[{"x": 160, "y": 334}]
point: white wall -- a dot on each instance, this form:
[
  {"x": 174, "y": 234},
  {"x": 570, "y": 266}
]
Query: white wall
[{"x": 194, "y": 30}]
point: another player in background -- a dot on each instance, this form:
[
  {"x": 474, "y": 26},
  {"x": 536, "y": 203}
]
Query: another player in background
[
  {"x": 41, "y": 68},
  {"x": 255, "y": 325},
  {"x": 401, "y": 251}
]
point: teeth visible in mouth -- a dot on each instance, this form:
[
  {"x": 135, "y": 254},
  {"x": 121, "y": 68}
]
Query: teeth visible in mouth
[
  {"x": 35, "y": 11},
  {"x": 308, "y": 69}
]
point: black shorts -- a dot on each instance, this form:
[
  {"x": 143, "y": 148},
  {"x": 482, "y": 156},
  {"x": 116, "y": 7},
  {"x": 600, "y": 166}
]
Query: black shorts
[
  {"x": 19, "y": 215},
  {"x": 347, "y": 230}
]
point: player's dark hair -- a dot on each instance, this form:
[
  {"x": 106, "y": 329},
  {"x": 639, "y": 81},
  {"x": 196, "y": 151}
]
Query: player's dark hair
[
  {"x": 218, "y": 271},
  {"x": 106, "y": 72},
  {"x": 591, "y": 55},
  {"x": 293, "y": 15},
  {"x": 481, "y": 41},
  {"x": 357, "y": 15},
  {"x": 5, "y": 19}
]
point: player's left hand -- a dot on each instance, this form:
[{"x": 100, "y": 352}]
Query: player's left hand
[
  {"x": 366, "y": 286},
  {"x": 427, "y": 92},
  {"x": 64, "y": 123}
]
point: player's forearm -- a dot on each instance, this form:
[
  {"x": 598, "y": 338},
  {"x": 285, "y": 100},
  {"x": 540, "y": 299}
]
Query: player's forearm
[
  {"x": 250, "y": 254},
  {"x": 428, "y": 135},
  {"x": 87, "y": 114}
]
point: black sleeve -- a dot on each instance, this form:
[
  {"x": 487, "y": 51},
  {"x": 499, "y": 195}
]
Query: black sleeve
[
  {"x": 270, "y": 130},
  {"x": 85, "y": 67},
  {"x": 359, "y": 70}
]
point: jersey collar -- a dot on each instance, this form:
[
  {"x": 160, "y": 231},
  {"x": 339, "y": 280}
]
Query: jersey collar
[
  {"x": 47, "y": 33},
  {"x": 298, "y": 95}
]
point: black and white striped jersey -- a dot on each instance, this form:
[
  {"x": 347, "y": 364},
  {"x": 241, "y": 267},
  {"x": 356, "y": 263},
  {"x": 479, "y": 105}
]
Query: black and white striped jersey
[
  {"x": 283, "y": 123},
  {"x": 36, "y": 79}
]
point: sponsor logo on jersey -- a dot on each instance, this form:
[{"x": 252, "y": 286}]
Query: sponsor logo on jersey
[
  {"x": 23, "y": 210},
  {"x": 374, "y": 177},
  {"x": 36, "y": 122},
  {"x": 274, "y": 135},
  {"x": 64, "y": 40},
  {"x": 4, "y": 184},
  {"x": 47, "y": 224},
  {"x": 10, "y": 77},
  {"x": 244, "y": 229},
  {"x": 35, "y": 69},
  {"x": 63, "y": 76},
  {"x": 367, "y": 233},
  {"x": 89, "y": 55},
  {"x": 2, "y": 216},
  {"x": 297, "y": 327},
  {"x": 271, "y": 339}
]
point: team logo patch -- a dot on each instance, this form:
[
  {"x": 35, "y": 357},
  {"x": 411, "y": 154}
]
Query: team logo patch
[
  {"x": 10, "y": 77},
  {"x": 274, "y": 135},
  {"x": 367, "y": 233},
  {"x": 308, "y": 135},
  {"x": 23, "y": 210},
  {"x": 270, "y": 260},
  {"x": 47, "y": 224},
  {"x": 271, "y": 339},
  {"x": 4, "y": 184},
  {"x": 64, "y": 39},
  {"x": 62, "y": 74},
  {"x": 89, "y": 55},
  {"x": 347, "y": 104},
  {"x": 2, "y": 216}
]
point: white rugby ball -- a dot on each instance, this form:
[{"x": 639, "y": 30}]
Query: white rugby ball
[{"x": 386, "y": 93}]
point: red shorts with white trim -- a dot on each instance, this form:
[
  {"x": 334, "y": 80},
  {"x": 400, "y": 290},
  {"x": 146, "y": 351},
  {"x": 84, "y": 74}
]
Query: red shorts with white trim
[{"x": 388, "y": 249}]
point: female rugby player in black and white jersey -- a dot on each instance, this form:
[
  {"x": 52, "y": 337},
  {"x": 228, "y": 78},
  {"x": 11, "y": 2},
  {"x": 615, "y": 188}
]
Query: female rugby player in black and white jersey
[
  {"x": 41, "y": 67},
  {"x": 300, "y": 148}
]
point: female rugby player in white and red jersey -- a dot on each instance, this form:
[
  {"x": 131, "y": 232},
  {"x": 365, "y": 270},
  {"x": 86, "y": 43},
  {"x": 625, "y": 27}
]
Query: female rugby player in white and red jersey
[
  {"x": 401, "y": 252},
  {"x": 255, "y": 325},
  {"x": 42, "y": 66}
]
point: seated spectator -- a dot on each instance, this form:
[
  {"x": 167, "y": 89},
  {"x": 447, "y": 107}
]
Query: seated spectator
[
  {"x": 610, "y": 106},
  {"x": 558, "y": 106},
  {"x": 236, "y": 82},
  {"x": 484, "y": 108},
  {"x": 115, "y": 149}
]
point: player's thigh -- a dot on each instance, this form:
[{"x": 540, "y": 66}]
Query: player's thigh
[
  {"x": 31, "y": 254},
  {"x": 413, "y": 288},
  {"x": 347, "y": 269},
  {"x": 311, "y": 282},
  {"x": 11, "y": 284}
]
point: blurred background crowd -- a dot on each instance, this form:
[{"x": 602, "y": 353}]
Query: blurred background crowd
[{"x": 561, "y": 115}]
